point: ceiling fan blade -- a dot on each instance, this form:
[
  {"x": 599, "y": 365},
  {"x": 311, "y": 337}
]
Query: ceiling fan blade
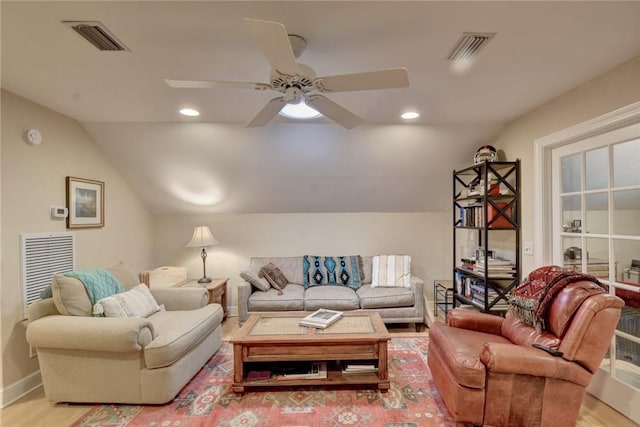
[
  {"x": 213, "y": 84},
  {"x": 268, "y": 112},
  {"x": 274, "y": 42},
  {"x": 380, "y": 79},
  {"x": 333, "y": 111}
]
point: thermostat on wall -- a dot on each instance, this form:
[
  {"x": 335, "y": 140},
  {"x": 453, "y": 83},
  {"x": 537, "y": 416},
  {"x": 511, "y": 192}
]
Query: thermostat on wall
[{"x": 59, "y": 212}]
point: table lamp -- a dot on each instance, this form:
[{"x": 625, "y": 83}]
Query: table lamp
[{"x": 202, "y": 238}]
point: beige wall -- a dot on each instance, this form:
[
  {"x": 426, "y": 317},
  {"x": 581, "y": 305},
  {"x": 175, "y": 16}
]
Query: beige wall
[
  {"x": 610, "y": 91},
  {"x": 424, "y": 236},
  {"x": 33, "y": 179}
]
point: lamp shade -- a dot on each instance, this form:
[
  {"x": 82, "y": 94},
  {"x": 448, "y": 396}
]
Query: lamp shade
[{"x": 202, "y": 238}]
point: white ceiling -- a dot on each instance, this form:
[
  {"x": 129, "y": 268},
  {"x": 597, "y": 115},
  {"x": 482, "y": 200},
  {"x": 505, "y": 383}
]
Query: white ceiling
[{"x": 214, "y": 164}]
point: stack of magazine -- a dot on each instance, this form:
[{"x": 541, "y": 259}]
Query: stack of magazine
[
  {"x": 358, "y": 367},
  {"x": 321, "y": 318},
  {"x": 496, "y": 268},
  {"x": 301, "y": 371},
  {"x": 295, "y": 370}
]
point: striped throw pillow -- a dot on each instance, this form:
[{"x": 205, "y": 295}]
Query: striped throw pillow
[{"x": 391, "y": 271}]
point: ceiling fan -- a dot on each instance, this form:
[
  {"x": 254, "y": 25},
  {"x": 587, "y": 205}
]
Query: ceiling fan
[{"x": 298, "y": 82}]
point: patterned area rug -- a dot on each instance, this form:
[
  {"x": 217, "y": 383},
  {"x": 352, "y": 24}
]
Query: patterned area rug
[{"x": 412, "y": 400}]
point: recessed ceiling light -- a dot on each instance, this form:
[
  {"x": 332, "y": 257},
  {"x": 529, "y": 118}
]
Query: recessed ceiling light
[
  {"x": 299, "y": 111},
  {"x": 189, "y": 112},
  {"x": 410, "y": 115}
]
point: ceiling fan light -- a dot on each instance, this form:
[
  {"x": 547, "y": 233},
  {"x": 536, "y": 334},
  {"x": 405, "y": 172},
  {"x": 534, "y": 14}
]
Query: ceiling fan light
[
  {"x": 300, "y": 111},
  {"x": 189, "y": 112},
  {"x": 410, "y": 115}
]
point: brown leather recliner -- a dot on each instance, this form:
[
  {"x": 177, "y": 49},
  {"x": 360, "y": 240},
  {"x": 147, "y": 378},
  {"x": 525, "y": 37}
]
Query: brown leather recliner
[{"x": 489, "y": 373}]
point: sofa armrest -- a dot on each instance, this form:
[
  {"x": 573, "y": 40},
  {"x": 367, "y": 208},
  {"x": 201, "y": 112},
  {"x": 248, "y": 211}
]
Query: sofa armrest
[
  {"x": 475, "y": 321},
  {"x": 244, "y": 292},
  {"x": 187, "y": 298},
  {"x": 521, "y": 360},
  {"x": 417, "y": 285},
  {"x": 41, "y": 308},
  {"x": 112, "y": 334}
]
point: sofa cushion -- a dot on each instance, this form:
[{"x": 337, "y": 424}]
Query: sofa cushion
[
  {"x": 125, "y": 275},
  {"x": 330, "y": 297},
  {"x": 332, "y": 270},
  {"x": 274, "y": 276},
  {"x": 366, "y": 269},
  {"x": 177, "y": 332},
  {"x": 252, "y": 276},
  {"x": 291, "y": 267},
  {"x": 391, "y": 270},
  {"x": 77, "y": 290},
  {"x": 136, "y": 302},
  {"x": 378, "y": 297},
  {"x": 289, "y": 300},
  {"x": 70, "y": 296}
]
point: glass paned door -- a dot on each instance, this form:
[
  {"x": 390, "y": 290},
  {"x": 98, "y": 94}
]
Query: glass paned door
[{"x": 596, "y": 229}]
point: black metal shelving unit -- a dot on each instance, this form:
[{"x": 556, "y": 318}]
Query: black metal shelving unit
[{"x": 486, "y": 202}]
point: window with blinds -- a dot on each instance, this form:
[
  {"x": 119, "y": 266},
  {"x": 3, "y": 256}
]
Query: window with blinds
[{"x": 42, "y": 256}]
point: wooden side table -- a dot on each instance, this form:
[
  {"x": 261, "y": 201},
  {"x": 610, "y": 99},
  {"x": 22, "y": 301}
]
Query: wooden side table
[{"x": 217, "y": 289}]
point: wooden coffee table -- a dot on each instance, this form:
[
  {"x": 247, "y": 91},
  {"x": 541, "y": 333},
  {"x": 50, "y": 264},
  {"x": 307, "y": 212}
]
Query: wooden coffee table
[{"x": 267, "y": 339}]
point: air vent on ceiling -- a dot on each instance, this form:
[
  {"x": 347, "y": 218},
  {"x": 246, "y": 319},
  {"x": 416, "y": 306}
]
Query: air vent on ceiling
[
  {"x": 468, "y": 45},
  {"x": 97, "y": 34}
]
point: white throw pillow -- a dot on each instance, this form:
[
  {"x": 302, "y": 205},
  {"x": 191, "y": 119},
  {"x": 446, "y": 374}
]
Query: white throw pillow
[
  {"x": 391, "y": 271},
  {"x": 136, "y": 302}
]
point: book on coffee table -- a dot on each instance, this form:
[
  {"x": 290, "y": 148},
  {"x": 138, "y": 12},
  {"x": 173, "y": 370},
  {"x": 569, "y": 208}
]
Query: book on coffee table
[{"x": 321, "y": 318}]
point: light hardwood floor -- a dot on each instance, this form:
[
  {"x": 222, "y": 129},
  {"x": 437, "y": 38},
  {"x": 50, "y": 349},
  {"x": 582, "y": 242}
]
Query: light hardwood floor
[{"x": 33, "y": 410}]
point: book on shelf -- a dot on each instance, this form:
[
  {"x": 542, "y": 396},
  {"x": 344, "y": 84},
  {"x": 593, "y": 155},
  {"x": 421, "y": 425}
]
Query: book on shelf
[
  {"x": 321, "y": 318},
  {"x": 495, "y": 262},
  {"x": 496, "y": 267},
  {"x": 301, "y": 371},
  {"x": 358, "y": 367},
  {"x": 259, "y": 375},
  {"x": 469, "y": 263},
  {"x": 260, "y": 371}
]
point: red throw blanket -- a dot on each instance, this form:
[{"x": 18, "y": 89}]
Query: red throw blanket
[{"x": 531, "y": 299}]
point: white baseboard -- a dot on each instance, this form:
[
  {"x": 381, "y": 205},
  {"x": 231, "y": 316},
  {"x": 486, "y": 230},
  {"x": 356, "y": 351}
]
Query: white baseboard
[{"x": 19, "y": 389}]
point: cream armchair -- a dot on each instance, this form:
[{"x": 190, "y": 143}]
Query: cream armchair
[{"x": 128, "y": 359}]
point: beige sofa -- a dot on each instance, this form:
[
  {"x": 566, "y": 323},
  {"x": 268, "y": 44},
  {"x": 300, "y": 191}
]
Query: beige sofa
[
  {"x": 394, "y": 304},
  {"x": 129, "y": 360}
]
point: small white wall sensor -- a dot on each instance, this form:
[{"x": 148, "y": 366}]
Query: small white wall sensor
[{"x": 32, "y": 136}]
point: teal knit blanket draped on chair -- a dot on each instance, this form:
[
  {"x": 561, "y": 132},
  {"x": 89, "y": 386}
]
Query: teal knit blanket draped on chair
[{"x": 99, "y": 283}]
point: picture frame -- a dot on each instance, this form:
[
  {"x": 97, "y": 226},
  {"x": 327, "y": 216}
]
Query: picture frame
[{"x": 85, "y": 203}]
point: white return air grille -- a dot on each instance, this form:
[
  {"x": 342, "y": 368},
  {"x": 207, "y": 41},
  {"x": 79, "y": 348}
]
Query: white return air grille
[
  {"x": 42, "y": 255},
  {"x": 468, "y": 46},
  {"x": 97, "y": 34}
]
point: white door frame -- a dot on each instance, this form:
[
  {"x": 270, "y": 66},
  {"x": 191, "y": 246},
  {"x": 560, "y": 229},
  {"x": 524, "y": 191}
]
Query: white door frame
[
  {"x": 602, "y": 385},
  {"x": 542, "y": 169}
]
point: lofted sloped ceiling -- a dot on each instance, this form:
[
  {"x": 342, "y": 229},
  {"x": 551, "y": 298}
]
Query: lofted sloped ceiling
[{"x": 213, "y": 164}]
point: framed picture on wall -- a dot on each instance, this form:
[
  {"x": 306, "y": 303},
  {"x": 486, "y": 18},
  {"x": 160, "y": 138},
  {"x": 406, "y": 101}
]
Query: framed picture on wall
[{"x": 85, "y": 202}]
